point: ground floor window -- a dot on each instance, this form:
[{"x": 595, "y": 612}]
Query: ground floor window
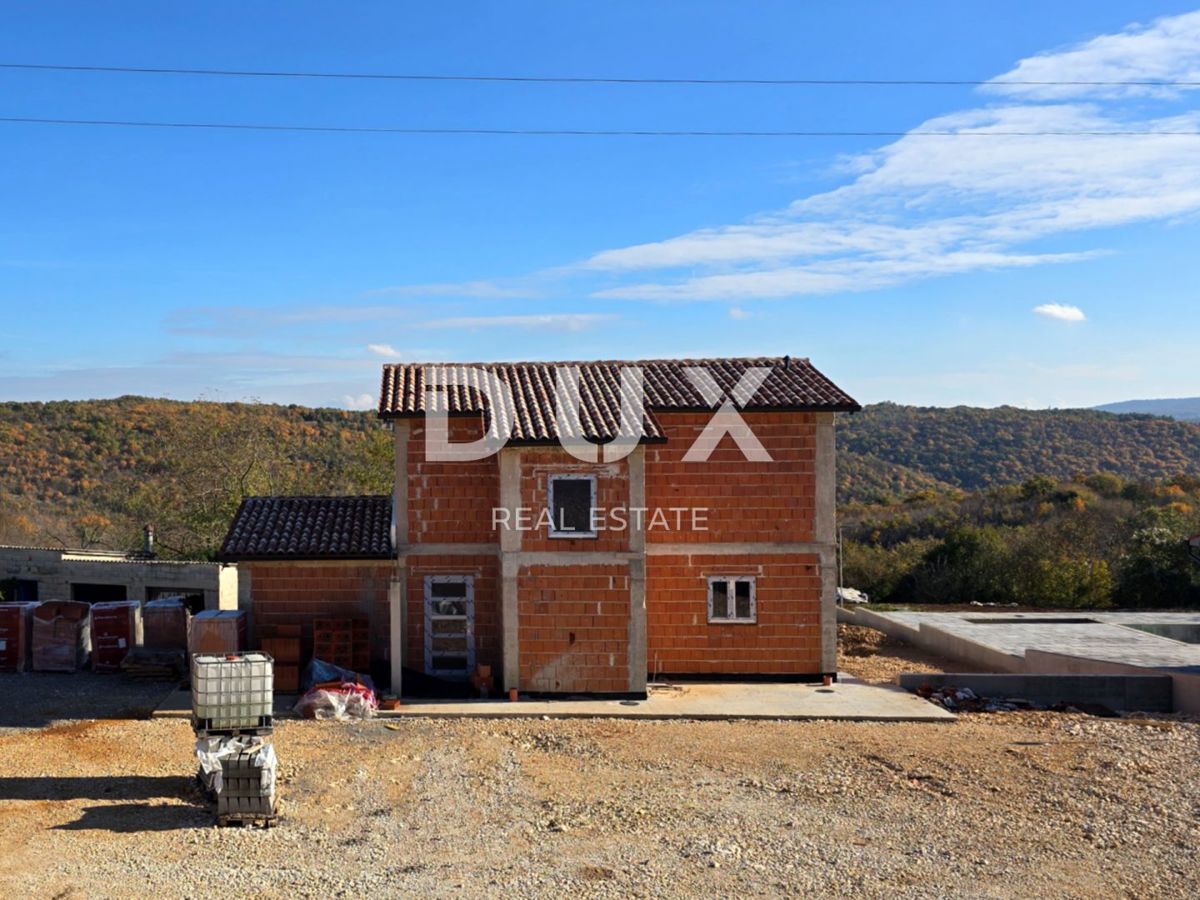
[
  {"x": 449, "y": 625},
  {"x": 731, "y": 598}
]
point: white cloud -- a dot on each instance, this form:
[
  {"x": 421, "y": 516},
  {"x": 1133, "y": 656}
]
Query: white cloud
[
  {"x": 1062, "y": 311},
  {"x": 1168, "y": 49},
  {"x": 736, "y": 312},
  {"x": 546, "y": 321},
  {"x": 1018, "y": 170},
  {"x": 485, "y": 290},
  {"x": 361, "y": 401},
  {"x": 384, "y": 350},
  {"x": 924, "y": 206}
]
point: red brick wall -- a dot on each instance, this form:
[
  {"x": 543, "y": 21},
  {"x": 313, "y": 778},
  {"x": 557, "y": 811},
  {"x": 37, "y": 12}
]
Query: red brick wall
[
  {"x": 485, "y": 570},
  {"x": 574, "y": 628},
  {"x": 451, "y": 502},
  {"x": 746, "y": 501},
  {"x": 612, "y": 491},
  {"x": 785, "y": 640},
  {"x": 289, "y": 593}
]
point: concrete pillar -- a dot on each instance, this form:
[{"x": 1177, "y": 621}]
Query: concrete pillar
[
  {"x": 637, "y": 573},
  {"x": 401, "y": 429},
  {"x": 825, "y": 527},
  {"x": 510, "y": 546},
  {"x": 397, "y": 622}
]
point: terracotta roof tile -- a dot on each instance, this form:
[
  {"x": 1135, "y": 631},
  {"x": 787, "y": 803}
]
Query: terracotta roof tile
[
  {"x": 793, "y": 384},
  {"x": 310, "y": 528}
]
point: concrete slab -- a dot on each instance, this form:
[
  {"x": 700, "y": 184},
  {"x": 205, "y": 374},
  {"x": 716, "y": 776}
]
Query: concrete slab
[
  {"x": 848, "y": 699},
  {"x": 1118, "y": 637},
  {"x": 1126, "y": 693}
]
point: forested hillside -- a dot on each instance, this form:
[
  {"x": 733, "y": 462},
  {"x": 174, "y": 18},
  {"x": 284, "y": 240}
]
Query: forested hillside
[
  {"x": 889, "y": 451},
  {"x": 91, "y": 473}
]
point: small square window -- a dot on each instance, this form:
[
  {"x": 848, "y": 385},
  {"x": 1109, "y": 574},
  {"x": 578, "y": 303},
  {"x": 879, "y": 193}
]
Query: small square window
[
  {"x": 572, "y": 499},
  {"x": 731, "y": 599}
]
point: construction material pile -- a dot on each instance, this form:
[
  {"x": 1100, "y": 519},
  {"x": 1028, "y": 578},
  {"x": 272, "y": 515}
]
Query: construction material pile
[
  {"x": 232, "y": 703},
  {"x": 331, "y": 692}
]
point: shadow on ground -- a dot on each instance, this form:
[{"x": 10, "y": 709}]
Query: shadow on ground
[
  {"x": 100, "y": 787},
  {"x": 136, "y": 817},
  {"x": 37, "y": 699}
]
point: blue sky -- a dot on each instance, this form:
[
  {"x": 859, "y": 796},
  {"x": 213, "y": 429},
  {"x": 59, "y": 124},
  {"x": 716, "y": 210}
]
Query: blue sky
[{"x": 1035, "y": 271}]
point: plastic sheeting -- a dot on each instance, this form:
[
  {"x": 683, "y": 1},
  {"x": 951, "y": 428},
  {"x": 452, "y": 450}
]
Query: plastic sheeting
[
  {"x": 210, "y": 751},
  {"x": 347, "y": 700},
  {"x": 320, "y": 672}
]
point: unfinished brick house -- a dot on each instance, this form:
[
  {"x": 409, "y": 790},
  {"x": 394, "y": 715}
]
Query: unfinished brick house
[{"x": 539, "y": 564}]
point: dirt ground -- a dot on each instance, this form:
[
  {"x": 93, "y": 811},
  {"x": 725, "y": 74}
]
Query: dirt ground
[
  {"x": 1002, "y": 805},
  {"x": 878, "y": 658}
]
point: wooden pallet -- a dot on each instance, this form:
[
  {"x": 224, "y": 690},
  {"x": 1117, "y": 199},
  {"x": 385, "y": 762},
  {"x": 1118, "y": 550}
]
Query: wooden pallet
[{"x": 244, "y": 820}]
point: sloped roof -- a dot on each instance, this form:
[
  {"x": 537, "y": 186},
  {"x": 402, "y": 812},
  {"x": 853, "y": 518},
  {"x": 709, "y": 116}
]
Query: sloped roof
[
  {"x": 793, "y": 384},
  {"x": 310, "y": 528}
]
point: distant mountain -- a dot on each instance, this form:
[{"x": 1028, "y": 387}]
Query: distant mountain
[
  {"x": 98, "y": 470},
  {"x": 1184, "y": 408}
]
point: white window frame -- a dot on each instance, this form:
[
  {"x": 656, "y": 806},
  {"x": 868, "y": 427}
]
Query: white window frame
[
  {"x": 430, "y": 616},
  {"x": 552, "y": 526},
  {"x": 731, "y": 599}
]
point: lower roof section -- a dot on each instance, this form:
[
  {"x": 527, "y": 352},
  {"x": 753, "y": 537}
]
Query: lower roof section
[{"x": 303, "y": 527}]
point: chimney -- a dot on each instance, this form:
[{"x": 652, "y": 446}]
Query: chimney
[{"x": 148, "y": 540}]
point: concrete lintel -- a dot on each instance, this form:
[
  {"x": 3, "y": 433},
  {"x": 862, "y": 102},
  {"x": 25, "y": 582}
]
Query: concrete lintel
[
  {"x": 749, "y": 548},
  {"x": 572, "y": 558},
  {"x": 448, "y": 550}
]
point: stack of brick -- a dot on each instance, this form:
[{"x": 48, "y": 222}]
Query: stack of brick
[
  {"x": 344, "y": 642},
  {"x": 62, "y": 637},
  {"x": 217, "y": 631},
  {"x": 16, "y": 635},
  {"x": 282, "y": 643},
  {"x": 116, "y": 630}
]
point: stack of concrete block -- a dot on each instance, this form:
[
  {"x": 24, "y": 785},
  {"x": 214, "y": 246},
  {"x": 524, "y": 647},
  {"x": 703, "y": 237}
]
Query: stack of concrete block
[{"x": 232, "y": 705}]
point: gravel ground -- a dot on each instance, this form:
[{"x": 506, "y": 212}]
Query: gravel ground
[{"x": 1003, "y": 805}]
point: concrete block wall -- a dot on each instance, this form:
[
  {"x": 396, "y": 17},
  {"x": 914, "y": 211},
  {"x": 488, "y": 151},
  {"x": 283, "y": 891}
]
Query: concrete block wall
[
  {"x": 746, "y": 501},
  {"x": 298, "y": 592},
  {"x": 785, "y": 639},
  {"x": 450, "y": 502},
  {"x": 574, "y": 628}
]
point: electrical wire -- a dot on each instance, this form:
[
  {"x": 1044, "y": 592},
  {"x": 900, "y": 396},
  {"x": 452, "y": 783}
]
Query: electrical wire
[
  {"x": 571, "y": 79},
  {"x": 574, "y": 132}
]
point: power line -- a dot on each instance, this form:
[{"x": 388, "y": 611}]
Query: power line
[
  {"x": 576, "y": 132},
  {"x": 571, "y": 79}
]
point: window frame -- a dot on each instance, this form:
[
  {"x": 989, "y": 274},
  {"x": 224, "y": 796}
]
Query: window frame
[
  {"x": 552, "y": 526},
  {"x": 731, "y": 599}
]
